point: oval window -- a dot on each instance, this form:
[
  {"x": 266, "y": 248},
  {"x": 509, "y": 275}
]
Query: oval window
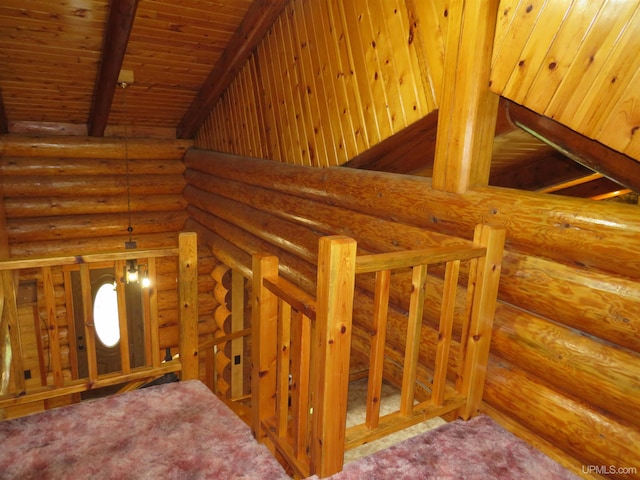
[{"x": 105, "y": 315}]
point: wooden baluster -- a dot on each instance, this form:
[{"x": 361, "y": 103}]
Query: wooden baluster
[
  {"x": 89, "y": 326},
  {"x": 237, "y": 324},
  {"x": 414, "y": 325},
  {"x": 301, "y": 363},
  {"x": 376, "y": 363},
  {"x": 10, "y": 322},
  {"x": 125, "y": 360},
  {"x": 284, "y": 357},
  {"x": 150, "y": 312},
  {"x": 444, "y": 334}
]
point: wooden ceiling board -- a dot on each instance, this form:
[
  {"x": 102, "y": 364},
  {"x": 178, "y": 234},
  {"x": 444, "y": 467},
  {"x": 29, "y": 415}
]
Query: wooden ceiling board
[
  {"x": 50, "y": 53},
  {"x": 172, "y": 47},
  {"x": 51, "y": 50},
  {"x": 578, "y": 64}
]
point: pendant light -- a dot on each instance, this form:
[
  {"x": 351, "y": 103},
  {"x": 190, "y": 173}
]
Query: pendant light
[{"x": 131, "y": 269}]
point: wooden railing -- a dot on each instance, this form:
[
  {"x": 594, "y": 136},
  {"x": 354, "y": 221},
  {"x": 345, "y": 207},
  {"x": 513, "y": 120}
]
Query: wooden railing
[
  {"x": 302, "y": 347},
  {"x": 187, "y": 291}
]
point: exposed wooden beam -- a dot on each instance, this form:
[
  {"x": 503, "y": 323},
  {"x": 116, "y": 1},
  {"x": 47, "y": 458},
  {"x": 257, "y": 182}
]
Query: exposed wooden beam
[
  {"x": 121, "y": 16},
  {"x": 407, "y": 151},
  {"x": 569, "y": 184},
  {"x": 4, "y": 124},
  {"x": 599, "y": 189},
  {"x": 259, "y": 19},
  {"x": 592, "y": 154},
  {"x": 468, "y": 109}
]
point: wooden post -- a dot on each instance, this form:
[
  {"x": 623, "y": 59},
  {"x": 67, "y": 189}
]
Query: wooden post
[
  {"x": 468, "y": 109},
  {"x": 188, "y": 304},
  {"x": 331, "y": 348},
  {"x": 475, "y": 356},
  {"x": 264, "y": 322}
]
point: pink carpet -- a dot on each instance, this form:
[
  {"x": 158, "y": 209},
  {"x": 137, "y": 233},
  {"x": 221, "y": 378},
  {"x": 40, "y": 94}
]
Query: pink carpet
[
  {"x": 475, "y": 450},
  {"x": 173, "y": 431}
]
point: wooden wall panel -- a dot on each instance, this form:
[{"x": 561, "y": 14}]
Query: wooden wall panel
[
  {"x": 330, "y": 80},
  {"x": 575, "y": 62}
]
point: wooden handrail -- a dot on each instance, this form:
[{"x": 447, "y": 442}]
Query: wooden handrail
[
  {"x": 59, "y": 386},
  {"x": 39, "y": 262},
  {"x": 408, "y": 258},
  {"x": 280, "y": 307}
]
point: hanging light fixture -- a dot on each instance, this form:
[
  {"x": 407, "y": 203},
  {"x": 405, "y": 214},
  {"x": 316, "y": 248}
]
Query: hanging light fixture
[
  {"x": 131, "y": 243},
  {"x": 131, "y": 269},
  {"x": 131, "y": 272}
]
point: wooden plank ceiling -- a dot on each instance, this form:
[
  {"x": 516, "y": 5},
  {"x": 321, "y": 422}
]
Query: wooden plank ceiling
[{"x": 60, "y": 61}]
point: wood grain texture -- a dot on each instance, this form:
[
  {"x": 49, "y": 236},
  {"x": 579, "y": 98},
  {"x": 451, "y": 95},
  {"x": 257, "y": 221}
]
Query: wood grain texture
[
  {"x": 331, "y": 87},
  {"x": 574, "y": 62},
  {"x": 567, "y": 299}
]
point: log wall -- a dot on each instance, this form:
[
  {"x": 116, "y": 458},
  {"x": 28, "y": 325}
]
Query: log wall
[
  {"x": 68, "y": 196},
  {"x": 565, "y": 366}
]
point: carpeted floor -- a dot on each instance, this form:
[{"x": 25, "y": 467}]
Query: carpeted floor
[
  {"x": 479, "y": 449},
  {"x": 475, "y": 450},
  {"x": 389, "y": 402}
]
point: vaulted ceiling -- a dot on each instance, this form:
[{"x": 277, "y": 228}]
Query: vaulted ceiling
[{"x": 61, "y": 64}]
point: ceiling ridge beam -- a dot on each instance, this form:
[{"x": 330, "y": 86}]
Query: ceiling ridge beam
[
  {"x": 121, "y": 16},
  {"x": 259, "y": 18}
]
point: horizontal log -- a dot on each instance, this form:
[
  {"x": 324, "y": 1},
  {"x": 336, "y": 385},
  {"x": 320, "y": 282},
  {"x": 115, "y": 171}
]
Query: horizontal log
[
  {"x": 75, "y": 246},
  {"x": 599, "y": 304},
  {"x": 583, "y": 232},
  {"x": 38, "y": 166},
  {"x": 292, "y": 267},
  {"x": 590, "y": 436},
  {"x": 608, "y": 304},
  {"x": 225, "y": 251},
  {"x": 86, "y": 185},
  {"x": 86, "y": 226},
  {"x": 288, "y": 236},
  {"x": 582, "y": 366},
  {"x": 88, "y": 147},
  {"x": 372, "y": 233},
  {"x": 77, "y": 205}
]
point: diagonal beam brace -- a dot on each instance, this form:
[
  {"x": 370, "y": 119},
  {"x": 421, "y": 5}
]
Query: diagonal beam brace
[{"x": 119, "y": 24}]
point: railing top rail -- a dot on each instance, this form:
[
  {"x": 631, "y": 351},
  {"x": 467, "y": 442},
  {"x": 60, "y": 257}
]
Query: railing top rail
[
  {"x": 19, "y": 263},
  {"x": 410, "y": 258}
]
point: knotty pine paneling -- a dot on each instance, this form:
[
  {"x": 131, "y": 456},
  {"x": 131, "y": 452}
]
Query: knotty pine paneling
[
  {"x": 51, "y": 51},
  {"x": 575, "y": 62},
  {"x": 331, "y": 79}
]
